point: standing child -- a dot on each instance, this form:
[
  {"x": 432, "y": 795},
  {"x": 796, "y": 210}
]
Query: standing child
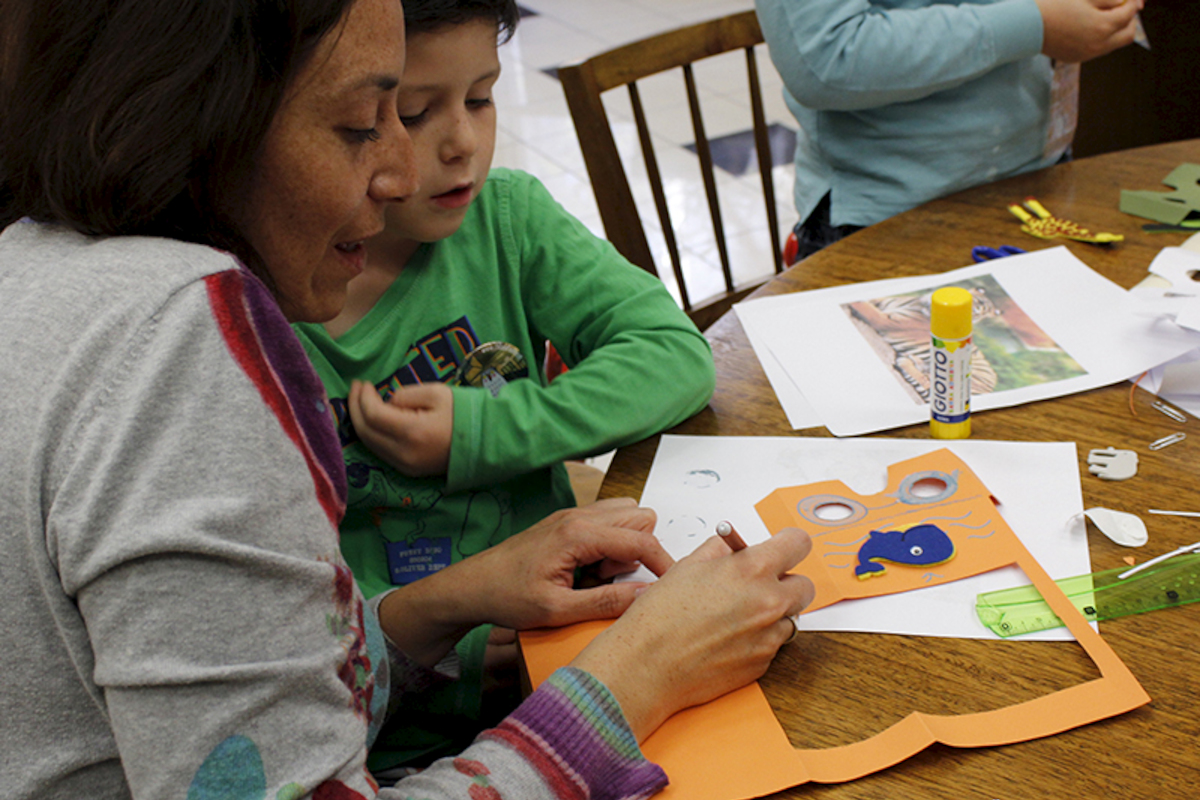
[{"x": 452, "y": 436}]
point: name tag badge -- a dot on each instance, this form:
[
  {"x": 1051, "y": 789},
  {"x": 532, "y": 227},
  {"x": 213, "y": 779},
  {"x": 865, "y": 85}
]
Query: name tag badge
[{"x": 411, "y": 561}]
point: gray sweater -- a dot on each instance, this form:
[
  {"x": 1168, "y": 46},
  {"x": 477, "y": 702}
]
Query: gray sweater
[{"x": 177, "y": 619}]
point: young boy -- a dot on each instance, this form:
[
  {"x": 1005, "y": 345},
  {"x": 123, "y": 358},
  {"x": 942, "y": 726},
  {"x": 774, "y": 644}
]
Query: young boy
[{"x": 452, "y": 436}]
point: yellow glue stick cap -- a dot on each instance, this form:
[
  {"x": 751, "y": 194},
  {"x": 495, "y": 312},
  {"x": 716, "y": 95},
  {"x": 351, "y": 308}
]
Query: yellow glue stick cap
[{"x": 950, "y": 313}]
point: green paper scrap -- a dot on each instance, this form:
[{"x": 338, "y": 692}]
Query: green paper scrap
[
  {"x": 1187, "y": 226},
  {"x": 1168, "y": 207}
]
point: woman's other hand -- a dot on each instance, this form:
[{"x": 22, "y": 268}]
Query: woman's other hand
[
  {"x": 528, "y": 581},
  {"x": 539, "y": 564}
]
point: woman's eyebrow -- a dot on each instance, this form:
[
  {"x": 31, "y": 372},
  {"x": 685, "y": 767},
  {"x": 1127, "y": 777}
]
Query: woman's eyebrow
[
  {"x": 382, "y": 82},
  {"x": 337, "y": 90}
]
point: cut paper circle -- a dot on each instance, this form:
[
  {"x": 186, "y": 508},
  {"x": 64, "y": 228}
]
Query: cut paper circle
[{"x": 831, "y": 509}]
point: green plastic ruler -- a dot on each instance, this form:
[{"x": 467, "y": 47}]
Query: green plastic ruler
[{"x": 1100, "y": 595}]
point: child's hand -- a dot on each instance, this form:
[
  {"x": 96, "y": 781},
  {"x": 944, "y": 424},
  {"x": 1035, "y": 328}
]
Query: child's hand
[
  {"x": 411, "y": 431},
  {"x": 1078, "y": 30}
]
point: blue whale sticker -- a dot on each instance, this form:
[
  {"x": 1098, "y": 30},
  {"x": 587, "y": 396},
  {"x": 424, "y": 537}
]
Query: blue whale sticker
[{"x": 920, "y": 545}]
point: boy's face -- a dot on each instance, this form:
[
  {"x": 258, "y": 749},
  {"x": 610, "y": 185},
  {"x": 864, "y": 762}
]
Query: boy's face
[{"x": 446, "y": 104}]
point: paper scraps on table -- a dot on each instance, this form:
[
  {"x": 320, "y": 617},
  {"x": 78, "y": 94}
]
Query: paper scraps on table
[
  {"x": 1168, "y": 207},
  {"x": 1181, "y": 299},
  {"x": 1041, "y": 223},
  {"x": 1123, "y": 528},
  {"x": 1178, "y": 380},
  {"x": 1172, "y": 291},
  {"x": 1111, "y": 464}
]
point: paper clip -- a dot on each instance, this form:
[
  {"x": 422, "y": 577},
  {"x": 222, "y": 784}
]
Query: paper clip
[
  {"x": 1159, "y": 444},
  {"x": 1170, "y": 412}
]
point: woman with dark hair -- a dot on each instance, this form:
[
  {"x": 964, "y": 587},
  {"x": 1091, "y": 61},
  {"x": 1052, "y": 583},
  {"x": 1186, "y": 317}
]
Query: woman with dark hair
[{"x": 178, "y": 181}]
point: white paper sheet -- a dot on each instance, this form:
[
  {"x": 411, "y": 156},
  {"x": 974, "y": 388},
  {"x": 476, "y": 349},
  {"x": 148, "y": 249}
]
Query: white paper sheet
[
  {"x": 1180, "y": 268},
  {"x": 697, "y": 481},
  {"x": 1177, "y": 382},
  {"x": 853, "y": 391},
  {"x": 1172, "y": 289},
  {"x": 799, "y": 411}
]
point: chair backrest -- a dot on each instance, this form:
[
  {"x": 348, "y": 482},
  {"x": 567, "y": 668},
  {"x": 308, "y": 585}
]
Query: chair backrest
[{"x": 585, "y": 82}]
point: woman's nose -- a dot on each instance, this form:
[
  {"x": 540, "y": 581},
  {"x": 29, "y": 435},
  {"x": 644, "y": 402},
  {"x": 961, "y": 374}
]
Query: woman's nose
[{"x": 397, "y": 176}]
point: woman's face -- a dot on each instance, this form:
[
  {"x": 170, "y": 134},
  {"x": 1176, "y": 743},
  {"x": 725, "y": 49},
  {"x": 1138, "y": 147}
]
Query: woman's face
[{"x": 333, "y": 158}]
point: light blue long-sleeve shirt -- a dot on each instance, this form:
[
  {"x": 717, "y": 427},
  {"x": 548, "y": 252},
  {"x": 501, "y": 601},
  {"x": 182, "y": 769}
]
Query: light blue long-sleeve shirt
[{"x": 903, "y": 101}]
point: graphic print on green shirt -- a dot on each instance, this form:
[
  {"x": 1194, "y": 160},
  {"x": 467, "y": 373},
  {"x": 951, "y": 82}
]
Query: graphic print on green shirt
[{"x": 435, "y": 357}]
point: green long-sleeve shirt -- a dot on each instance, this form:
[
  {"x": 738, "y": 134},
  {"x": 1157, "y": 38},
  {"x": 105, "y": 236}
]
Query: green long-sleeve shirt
[{"x": 520, "y": 270}]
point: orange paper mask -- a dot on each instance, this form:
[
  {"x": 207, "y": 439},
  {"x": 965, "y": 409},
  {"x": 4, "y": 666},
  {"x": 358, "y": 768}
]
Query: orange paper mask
[{"x": 936, "y": 522}]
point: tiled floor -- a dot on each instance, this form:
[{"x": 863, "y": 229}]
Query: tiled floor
[{"x": 536, "y": 133}]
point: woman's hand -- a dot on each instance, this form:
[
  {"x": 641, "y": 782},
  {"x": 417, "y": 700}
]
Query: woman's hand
[
  {"x": 411, "y": 431},
  {"x": 712, "y": 624},
  {"x": 527, "y": 581},
  {"x": 537, "y": 567}
]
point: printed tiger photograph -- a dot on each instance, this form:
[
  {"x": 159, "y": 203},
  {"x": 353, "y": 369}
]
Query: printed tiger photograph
[{"x": 1011, "y": 351}]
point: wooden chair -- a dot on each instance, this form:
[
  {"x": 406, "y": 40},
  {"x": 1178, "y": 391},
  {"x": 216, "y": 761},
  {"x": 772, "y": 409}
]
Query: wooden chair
[{"x": 585, "y": 82}]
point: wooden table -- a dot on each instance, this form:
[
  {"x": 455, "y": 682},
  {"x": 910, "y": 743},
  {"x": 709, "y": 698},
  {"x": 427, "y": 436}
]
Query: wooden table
[{"x": 831, "y": 689}]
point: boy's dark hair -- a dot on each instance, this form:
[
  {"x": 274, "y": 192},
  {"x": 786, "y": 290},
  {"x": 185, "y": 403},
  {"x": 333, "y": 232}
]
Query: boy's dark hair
[
  {"x": 126, "y": 117},
  {"x": 423, "y": 16}
]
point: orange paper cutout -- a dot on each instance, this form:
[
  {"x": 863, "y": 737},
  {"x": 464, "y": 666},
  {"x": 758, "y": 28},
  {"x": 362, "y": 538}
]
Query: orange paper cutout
[
  {"x": 734, "y": 748},
  {"x": 934, "y": 490}
]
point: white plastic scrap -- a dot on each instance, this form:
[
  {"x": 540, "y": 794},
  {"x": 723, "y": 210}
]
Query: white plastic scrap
[
  {"x": 1111, "y": 464},
  {"x": 1120, "y": 526}
]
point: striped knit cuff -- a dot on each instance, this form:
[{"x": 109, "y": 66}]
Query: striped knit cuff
[{"x": 573, "y": 733}]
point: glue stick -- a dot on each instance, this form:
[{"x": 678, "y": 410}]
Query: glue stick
[{"x": 950, "y": 364}]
